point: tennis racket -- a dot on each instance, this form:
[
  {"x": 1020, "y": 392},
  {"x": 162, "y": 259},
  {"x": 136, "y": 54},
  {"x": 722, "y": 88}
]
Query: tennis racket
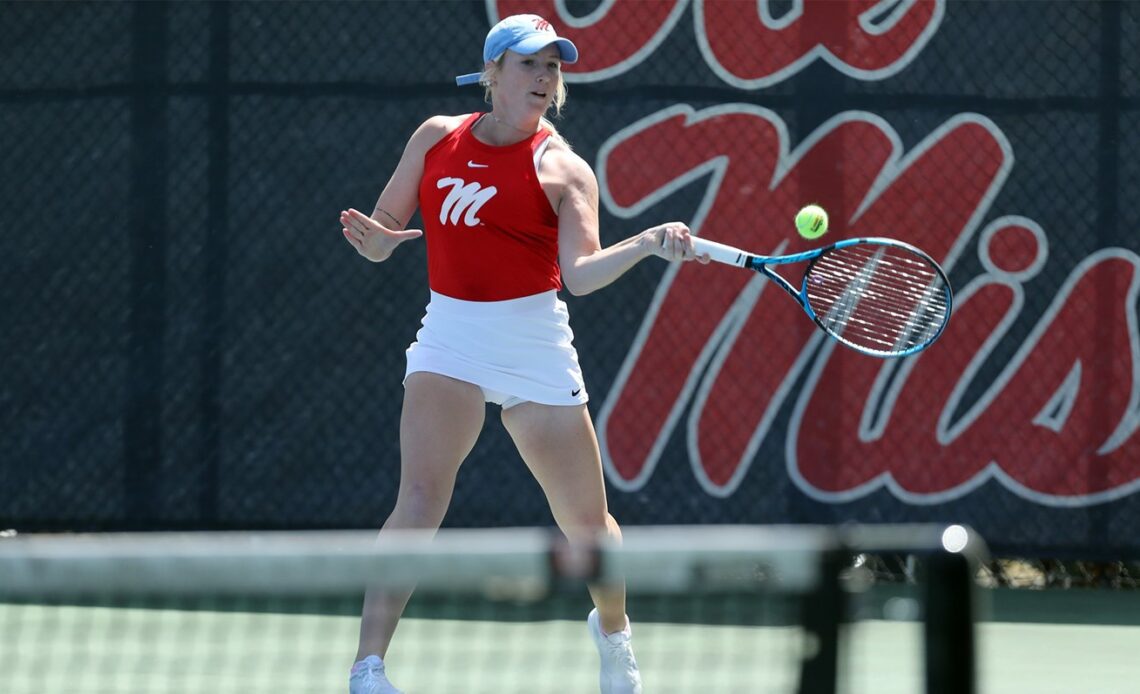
[{"x": 881, "y": 297}]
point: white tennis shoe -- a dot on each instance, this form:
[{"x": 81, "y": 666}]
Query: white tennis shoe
[
  {"x": 619, "y": 673},
  {"x": 368, "y": 678}
]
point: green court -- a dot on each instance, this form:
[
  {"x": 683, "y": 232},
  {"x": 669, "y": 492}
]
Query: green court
[{"x": 127, "y": 650}]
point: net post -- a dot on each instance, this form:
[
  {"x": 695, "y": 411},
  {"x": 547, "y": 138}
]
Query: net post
[
  {"x": 951, "y": 666},
  {"x": 952, "y": 607},
  {"x": 824, "y": 610}
]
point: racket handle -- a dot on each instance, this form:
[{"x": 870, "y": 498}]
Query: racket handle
[{"x": 720, "y": 252}]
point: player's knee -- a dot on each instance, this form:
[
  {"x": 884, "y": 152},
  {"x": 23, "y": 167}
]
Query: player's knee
[
  {"x": 422, "y": 505},
  {"x": 588, "y": 527}
]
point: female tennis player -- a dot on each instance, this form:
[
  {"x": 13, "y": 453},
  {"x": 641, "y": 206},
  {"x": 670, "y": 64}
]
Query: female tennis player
[{"x": 510, "y": 216}]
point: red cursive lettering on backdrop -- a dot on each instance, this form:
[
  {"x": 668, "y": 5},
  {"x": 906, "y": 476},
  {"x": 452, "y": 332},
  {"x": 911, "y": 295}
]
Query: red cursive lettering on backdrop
[
  {"x": 721, "y": 354},
  {"x": 727, "y": 351},
  {"x": 865, "y": 39},
  {"x": 739, "y": 40}
]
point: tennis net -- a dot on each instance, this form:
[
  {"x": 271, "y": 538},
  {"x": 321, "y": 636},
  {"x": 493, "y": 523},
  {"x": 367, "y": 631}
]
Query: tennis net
[{"x": 714, "y": 609}]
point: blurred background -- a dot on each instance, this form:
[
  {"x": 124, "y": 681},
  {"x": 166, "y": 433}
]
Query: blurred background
[{"x": 189, "y": 343}]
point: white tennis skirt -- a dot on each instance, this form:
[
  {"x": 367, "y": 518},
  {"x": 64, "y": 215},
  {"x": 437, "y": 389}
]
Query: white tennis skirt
[{"x": 519, "y": 350}]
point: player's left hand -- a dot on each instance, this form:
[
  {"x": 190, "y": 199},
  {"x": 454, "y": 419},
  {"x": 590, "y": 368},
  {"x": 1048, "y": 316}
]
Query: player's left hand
[{"x": 370, "y": 238}]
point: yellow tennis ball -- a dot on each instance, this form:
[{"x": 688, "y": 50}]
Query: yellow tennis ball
[{"x": 811, "y": 222}]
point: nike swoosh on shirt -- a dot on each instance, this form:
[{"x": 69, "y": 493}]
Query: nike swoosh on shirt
[{"x": 476, "y": 166}]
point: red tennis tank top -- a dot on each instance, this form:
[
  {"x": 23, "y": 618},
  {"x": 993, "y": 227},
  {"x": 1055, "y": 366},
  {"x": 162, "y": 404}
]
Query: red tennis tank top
[{"x": 491, "y": 233}]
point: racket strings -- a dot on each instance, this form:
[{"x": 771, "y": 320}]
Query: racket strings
[
  {"x": 878, "y": 297},
  {"x": 866, "y": 318}
]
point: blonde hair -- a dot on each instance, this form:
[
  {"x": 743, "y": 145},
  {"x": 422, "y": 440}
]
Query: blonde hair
[{"x": 559, "y": 96}]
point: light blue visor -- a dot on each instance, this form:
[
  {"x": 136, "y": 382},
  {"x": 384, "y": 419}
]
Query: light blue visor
[{"x": 522, "y": 33}]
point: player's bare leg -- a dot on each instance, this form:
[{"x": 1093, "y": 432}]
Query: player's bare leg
[
  {"x": 440, "y": 422},
  {"x": 560, "y": 447}
]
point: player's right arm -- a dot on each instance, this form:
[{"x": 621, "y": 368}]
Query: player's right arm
[{"x": 375, "y": 236}]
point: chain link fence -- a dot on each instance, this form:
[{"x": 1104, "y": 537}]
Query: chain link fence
[{"x": 189, "y": 342}]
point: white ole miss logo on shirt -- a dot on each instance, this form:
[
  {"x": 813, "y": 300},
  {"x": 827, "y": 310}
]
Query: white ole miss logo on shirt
[{"x": 464, "y": 200}]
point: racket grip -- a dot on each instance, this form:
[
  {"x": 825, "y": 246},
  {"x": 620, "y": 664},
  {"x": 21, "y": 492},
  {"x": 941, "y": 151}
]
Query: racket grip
[{"x": 720, "y": 252}]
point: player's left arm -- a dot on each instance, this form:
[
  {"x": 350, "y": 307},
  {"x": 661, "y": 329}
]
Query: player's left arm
[{"x": 585, "y": 265}]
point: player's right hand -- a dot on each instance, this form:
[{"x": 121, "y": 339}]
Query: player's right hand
[
  {"x": 370, "y": 238},
  {"x": 673, "y": 241}
]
